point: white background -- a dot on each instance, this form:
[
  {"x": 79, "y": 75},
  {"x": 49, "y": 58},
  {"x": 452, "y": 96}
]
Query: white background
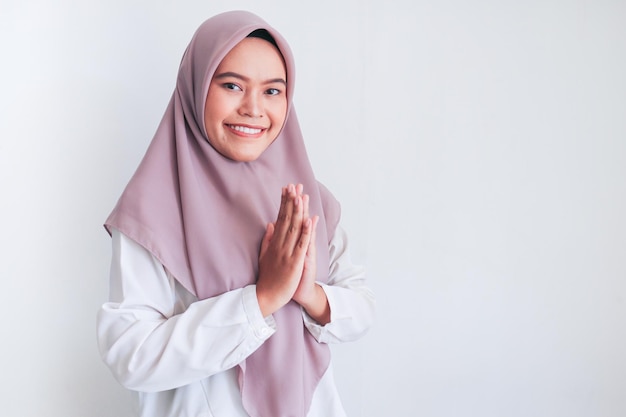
[{"x": 478, "y": 149}]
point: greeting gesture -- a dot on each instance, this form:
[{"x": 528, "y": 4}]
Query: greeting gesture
[
  {"x": 287, "y": 261},
  {"x": 308, "y": 294},
  {"x": 283, "y": 252}
]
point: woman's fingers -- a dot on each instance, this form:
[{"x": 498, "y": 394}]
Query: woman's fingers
[
  {"x": 289, "y": 223},
  {"x": 285, "y": 212},
  {"x": 269, "y": 232},
  {"x": 306, "y": 292},
  {"x": 312, "y": 246},
  {"x": 284, "y": 250},
  {"x": 305, "y": 206},
  {"x": 302, "y": 245},
  {"x": 310, "y": 257}
]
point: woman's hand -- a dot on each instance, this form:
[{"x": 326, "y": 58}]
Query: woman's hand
[
  {"x": 308, "y": 294},
  {"x": 283, "y": 252}
]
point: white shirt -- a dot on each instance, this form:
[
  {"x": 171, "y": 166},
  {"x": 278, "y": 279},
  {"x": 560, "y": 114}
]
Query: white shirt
[{"x": 179, "y": 354}]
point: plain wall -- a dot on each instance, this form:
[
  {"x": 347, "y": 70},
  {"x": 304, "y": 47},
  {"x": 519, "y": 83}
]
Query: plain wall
[{"x": 478, "y": 149}]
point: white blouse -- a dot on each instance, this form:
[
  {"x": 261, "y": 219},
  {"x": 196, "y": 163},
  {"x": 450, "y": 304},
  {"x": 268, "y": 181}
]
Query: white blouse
[{"x": 179, "y": 354}]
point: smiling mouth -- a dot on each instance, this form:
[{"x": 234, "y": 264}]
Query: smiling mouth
[{"x": 245, "y": 129}]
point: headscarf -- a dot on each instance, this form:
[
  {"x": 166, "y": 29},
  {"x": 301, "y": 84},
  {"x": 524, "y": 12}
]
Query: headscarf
[{"x": 203, "y": 216}]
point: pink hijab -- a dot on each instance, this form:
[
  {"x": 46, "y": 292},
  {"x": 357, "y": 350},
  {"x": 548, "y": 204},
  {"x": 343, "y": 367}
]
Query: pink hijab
[{"x": 203, "y": 215}]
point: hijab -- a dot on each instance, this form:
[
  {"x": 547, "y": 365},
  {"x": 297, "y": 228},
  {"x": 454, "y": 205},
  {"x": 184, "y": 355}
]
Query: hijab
[{"x": 203, "y": 216}]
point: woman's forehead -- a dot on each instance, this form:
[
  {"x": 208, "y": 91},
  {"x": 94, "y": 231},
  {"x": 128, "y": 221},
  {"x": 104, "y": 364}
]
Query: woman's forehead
[{"x": 254, "y": 56}]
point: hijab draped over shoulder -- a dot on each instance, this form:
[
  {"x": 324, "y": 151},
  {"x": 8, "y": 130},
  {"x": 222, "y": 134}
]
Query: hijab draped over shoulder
[{"x": 204, "y": 216}]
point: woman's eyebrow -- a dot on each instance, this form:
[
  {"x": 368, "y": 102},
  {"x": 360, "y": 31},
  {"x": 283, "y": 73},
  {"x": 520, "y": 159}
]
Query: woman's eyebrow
[{"x": 230, "y": 74}]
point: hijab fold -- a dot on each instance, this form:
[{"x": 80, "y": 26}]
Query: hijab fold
[{"x": 204, "y": 216}]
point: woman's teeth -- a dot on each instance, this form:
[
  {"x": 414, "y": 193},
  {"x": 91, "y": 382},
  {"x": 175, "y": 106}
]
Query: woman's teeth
[{"x": 247, "y": 130}]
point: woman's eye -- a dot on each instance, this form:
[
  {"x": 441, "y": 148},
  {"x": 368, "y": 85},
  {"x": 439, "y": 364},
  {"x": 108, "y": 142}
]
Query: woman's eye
[
  {"x": 232, "y": 86},
  {"x": 273, "y": 91}
]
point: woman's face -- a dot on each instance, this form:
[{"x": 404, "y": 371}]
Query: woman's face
[{"x": 247, "y": 101}]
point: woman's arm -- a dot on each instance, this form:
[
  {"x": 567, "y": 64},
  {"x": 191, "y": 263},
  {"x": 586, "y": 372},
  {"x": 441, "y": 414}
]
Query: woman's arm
[
  {"x": 155, "y": 336},
  {"x": 352, "y": 303}
]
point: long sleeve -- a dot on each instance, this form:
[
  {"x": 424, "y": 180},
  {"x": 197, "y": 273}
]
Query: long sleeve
[
  {"x": 352, "y": 303},
  {"x": 154, "y": 335}
]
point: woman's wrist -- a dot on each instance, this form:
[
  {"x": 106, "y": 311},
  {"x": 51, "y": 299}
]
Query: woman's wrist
[
  {"x": 317, "y": 306},
  {"x": 268, "y": 302}
]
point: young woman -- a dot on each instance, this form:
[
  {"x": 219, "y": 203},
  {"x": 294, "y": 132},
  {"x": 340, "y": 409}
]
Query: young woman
[{"x": 230, "y": 273}]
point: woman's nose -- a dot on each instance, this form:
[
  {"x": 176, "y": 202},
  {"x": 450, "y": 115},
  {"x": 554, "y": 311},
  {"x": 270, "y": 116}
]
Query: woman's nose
[{"x": 251, "y": 106}]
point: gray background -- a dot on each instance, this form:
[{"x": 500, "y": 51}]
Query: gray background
[{"x": 478, "y": 149}]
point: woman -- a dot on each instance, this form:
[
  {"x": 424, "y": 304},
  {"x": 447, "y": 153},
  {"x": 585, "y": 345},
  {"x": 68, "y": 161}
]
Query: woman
[{"x": 230, "y": 273}]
